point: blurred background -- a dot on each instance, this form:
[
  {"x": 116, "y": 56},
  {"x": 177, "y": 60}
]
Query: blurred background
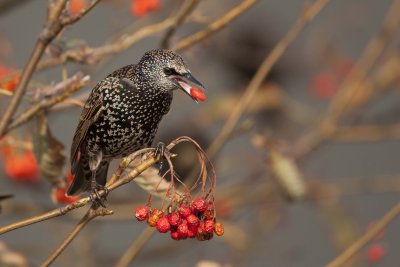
[{"x": 312, "y": 163}]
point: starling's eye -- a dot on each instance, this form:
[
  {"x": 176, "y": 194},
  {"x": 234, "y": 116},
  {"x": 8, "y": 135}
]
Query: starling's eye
[{"x": 169, "y": 71}]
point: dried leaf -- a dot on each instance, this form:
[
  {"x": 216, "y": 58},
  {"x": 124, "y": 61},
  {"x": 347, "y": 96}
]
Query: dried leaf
[
  {"x": 287, "y": 174},
  {"x": 49, "y": 152}
]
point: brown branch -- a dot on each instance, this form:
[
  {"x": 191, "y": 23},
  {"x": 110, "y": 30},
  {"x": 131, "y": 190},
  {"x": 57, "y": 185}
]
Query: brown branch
[
  {"x": 90, "y": 55},
  {"x": 305, "y": 17},
  {"x": 72, "y": 85},
  {"x": 90, "y": 214},
  {"x": 126, "y": 178},
  {"x": 179, "y": 20},
  {"x": 368, "y": 236},
  {"x": 214, "y": 26},
  {"x": 51, "y": 29},
  {"x": 48, "y": 215},
  {"x": 135, "y": 248},
  {"x": 352, "y": 85},
  {"x": 366, "y": 133},
  {"x": 71, "y": 19}
]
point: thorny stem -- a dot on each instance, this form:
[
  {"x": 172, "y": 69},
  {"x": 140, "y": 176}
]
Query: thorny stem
[
  {"x": 90, "y": 214},
  {"x": 52, "y": 28}
]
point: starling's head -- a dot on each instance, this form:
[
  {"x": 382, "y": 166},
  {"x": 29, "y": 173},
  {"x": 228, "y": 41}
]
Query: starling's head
[{"x": 167, "y": 71}]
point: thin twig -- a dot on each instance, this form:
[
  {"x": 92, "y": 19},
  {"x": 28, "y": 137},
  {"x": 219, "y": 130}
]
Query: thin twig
[
  {"x": 214, "y": 27},
  {"x": 126, "y": 178},
  {"x": 368, "y": 236},
  {"x": 71, "y": 19},
  {"x": 366, "y": 133},
  {"x": 91, "y": 55},
  {"x": 305, "y": 17},
  {"x": 135, "y": 248},
  {"x": 90, "y": 214},
  {"x": 74, "y": 84},
  {"x": 52, "y": 28},
  {"x": 179, "y": 20},
  {"x": 352, "y": 85}
]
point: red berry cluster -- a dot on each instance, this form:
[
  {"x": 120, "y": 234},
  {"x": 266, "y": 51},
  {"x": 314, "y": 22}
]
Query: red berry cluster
[{"x": 195, "y": 219}]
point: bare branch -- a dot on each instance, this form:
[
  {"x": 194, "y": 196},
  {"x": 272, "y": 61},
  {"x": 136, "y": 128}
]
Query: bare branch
[
  {"x": 352, "y": 85},
  {"x": 368, "y": 236},
  {"x": 70, "y": 86},
  {"x": 179, "y": 20},
  {"x": 90, "y": 55},
  {"x": 215, "y": 26},
  {"x": 90, "y": 214},
  {"x": 71, "y": 19},
  {"x": 52, "y": 28},
  {"x": 305, "y": 17}
]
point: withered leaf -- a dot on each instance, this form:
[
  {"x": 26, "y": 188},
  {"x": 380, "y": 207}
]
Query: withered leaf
[{"x": 49, "y": 152}]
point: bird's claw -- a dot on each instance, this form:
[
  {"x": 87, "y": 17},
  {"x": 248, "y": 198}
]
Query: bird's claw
[
  {"x": 161, "y": 151},
  {"x": 97, "y": 198}
]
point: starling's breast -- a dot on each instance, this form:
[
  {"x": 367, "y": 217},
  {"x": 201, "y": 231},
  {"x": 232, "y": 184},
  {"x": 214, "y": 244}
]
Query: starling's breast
[{"x": 129, "y": 121}]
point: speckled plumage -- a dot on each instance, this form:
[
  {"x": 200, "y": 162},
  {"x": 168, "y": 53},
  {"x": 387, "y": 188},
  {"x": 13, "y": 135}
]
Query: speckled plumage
[{"x": 122, "y": 115}]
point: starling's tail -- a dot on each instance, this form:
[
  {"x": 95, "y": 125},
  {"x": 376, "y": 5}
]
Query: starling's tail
[{"x": 83, "y": 176}]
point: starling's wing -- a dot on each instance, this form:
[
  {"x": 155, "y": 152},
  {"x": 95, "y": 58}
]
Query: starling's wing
[
  {"x": 90, "y": 112},
  {"x": 93, "y": 109}
]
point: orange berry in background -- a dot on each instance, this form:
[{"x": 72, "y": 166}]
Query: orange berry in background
[
  {"x": 21, "y": 167},
  {"x": 375, "y": 252},
  {"x": 59, "y": 196},
  {"x": 140, "y": 8},
  {"x": 76, "y": 6}
]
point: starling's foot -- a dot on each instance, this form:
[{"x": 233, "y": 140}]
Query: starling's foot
[
  {"x": 161, "y": 152},
  {"x": 101, "y": 200}
]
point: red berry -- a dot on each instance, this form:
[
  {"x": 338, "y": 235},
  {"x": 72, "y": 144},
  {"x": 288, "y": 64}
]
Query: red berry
[
  {"x": 197, "y": 94},
  {"x": 193, "y": 220},
  {"x": 219, "y": 229},
  {"x": 174, "y": 219},
  {"x": 208, "y": 226},
  {"x": 163, "y": 225},
  {"x": 141, "y": 213},
  {"x": 199, "y": 205},
  {"x": 175, "y": 235},
  {"x": 58, "y": 195},
  {"x": 375, "y": 252},
  {"x": 192, "y": 231},
  {"x": 183, "y": 231},
  {"x": 184, "y": 211}
]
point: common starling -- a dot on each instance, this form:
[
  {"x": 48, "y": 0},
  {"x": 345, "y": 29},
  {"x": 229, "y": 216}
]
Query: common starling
[{"x": 122, "y": 115}]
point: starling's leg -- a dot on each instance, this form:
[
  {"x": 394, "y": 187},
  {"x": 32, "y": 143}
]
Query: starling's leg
[
  {"x": 94, "y": 162},
  {"x": 160, "y": 152}
]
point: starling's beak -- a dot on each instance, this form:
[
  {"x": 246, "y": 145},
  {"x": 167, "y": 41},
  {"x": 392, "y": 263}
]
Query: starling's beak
[{"x": 188, "y": 83}]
